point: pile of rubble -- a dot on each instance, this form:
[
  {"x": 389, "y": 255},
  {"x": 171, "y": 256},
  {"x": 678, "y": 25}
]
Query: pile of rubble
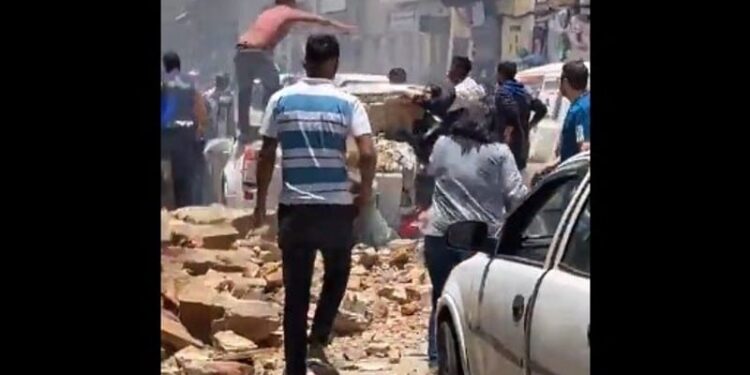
[
  {"x": 394, "y": 157},
  {"x": 222, "y": 299}
]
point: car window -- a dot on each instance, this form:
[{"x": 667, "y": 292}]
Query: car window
[
  {"x": 529, "y": 231},
  {"x": 577, "y": 258},
  {"x": 546, "y": 220}
]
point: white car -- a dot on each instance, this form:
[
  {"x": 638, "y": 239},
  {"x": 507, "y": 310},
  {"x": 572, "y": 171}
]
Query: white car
[
  {"x": 523, "y": 307},
  {"x": 341, "y": 79},
  {"x": 239, "y": 185},
  {"x": 349, "y": 79}
]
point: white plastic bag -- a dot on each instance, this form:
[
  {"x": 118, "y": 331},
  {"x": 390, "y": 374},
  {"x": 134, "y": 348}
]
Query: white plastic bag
[{"x": 370, "y": 227}]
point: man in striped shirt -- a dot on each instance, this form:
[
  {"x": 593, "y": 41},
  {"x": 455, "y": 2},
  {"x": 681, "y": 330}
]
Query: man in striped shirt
[{"x": 312, "y": 120}]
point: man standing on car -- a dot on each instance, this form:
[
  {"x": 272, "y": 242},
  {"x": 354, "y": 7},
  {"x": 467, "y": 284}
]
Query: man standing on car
[
  {"x": 312, "y": 120},
  {"x": 254, "y": 58},
  {"x": 506, "y": 80},
  {"x": 183, "y": 121}
]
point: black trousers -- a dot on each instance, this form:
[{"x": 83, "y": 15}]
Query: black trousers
[
  {"x": 249, "y": 65},
  {"x": 304, "y": 229},
  {"x": 182, "y": 149}
]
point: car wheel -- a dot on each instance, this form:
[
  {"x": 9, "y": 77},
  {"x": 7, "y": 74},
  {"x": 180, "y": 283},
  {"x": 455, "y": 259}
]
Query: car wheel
[{"x": 449, "y": 360}]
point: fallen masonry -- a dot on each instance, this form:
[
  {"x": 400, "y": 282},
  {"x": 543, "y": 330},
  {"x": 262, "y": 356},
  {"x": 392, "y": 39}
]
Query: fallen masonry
[{"x": 223, "y": 294}]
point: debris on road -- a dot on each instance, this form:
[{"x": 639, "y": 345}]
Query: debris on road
[{"x": 223, "y": 304}]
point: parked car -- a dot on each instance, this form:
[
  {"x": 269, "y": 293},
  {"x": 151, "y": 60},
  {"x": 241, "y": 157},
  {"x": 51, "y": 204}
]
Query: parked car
[
  {"x": 348, "y": 79},
  {"x": 239, "y": 185},
  {"x": 523, "y": 307}
]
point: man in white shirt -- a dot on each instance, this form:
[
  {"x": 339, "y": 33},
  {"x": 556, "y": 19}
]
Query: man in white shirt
[
  {"x": 311, "y": 121},
  {"x": 468, "y": 91}
]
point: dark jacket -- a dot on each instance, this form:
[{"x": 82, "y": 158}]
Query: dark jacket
[
  {"x": 525, "y": 104},
  {"x": 425, "y": 132},
  {"x": 507, "y": 115},
  {"x": 439, "y": 105},
  {"x": 177, "y": 98}
]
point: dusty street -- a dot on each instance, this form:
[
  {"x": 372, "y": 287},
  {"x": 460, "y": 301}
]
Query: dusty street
[{"x": 222, "y": 301}]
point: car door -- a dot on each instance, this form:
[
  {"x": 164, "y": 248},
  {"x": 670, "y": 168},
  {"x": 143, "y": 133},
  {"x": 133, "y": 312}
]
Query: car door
[
  {"x": 510, "y": 277},
  {"x": 559, "y": 325}
]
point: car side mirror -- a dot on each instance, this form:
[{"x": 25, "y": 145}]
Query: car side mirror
[{"x": 468, "y": 235}]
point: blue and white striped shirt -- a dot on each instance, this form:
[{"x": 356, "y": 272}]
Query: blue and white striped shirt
[{"x": 312, "y": 120}]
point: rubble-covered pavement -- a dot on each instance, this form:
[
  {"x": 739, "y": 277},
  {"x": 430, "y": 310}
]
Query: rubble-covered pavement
[{"x": 222, "y": 300}]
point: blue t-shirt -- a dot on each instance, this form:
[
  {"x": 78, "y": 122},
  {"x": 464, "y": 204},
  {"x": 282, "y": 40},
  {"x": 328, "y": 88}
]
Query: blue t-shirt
[{"x": 576, "y": 127}]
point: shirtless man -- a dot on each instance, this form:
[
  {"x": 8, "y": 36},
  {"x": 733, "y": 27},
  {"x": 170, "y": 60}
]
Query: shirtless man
[{"x": 254, "y": 58}]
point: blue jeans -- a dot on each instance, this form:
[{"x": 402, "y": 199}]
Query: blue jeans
[{"x": 440, "y": 260}]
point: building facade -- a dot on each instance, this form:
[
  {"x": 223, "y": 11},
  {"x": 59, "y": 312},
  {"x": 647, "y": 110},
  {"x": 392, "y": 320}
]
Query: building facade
[
  {"x": 562, "y": 29},
  {"x": 530, "y": 32},
  {"x": 420, "y": 36}
]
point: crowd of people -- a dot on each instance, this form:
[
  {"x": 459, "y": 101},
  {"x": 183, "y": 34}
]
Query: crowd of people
[{"x": 477, "y": 161}]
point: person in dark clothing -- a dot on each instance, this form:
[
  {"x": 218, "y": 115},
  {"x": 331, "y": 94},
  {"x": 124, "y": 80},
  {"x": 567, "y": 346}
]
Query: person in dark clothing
[
  {"x": 426, "y": 132},
  {"x": 183, "y": 122},
  {"x": 436, "y": 102},
  {"x": 506, "y": 79},
  {"x": 507, "y": 123},
  {"x": 441, "y": 99},
  {"x": 397, "y": 75}
]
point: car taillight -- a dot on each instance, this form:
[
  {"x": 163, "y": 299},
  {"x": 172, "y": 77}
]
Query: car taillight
[
  {"x": 248, "y": 157},
  {"x": 248, "y": 195}
]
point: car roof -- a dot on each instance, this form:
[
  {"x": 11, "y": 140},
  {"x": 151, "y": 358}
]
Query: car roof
[{"x": 554, "y": 68}]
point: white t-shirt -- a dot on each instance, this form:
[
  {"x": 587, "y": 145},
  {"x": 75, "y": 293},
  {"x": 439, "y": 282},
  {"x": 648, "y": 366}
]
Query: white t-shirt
[
  {"x": 468, "y": 93},
  {"x": 312, "y": 120}
]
